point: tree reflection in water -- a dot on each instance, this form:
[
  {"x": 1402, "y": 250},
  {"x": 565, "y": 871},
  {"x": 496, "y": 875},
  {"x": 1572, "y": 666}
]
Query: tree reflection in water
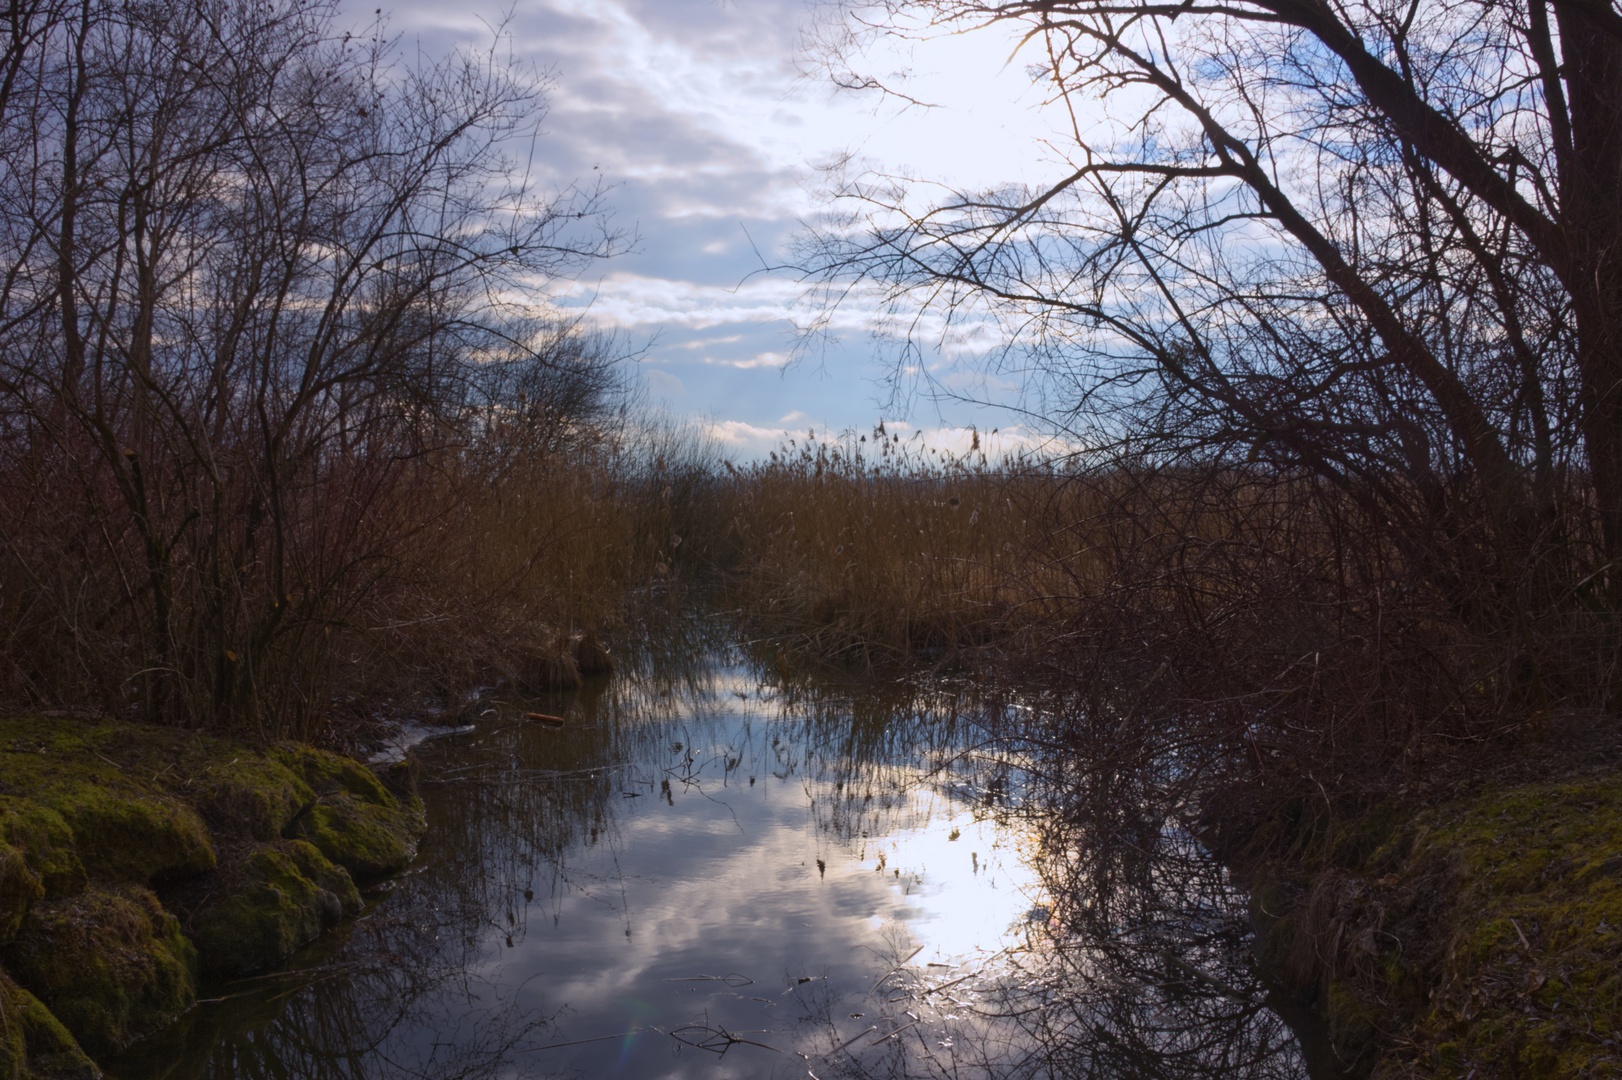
[
  {"x": 1134, "y": 966},
  {"x": 1161, "y": 989},
  {"x": 1139, "y": 963}
]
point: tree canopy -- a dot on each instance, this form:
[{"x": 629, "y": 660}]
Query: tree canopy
[
  {"x": 254, "y": 271},
  {"x": 1380, "y": 239}
]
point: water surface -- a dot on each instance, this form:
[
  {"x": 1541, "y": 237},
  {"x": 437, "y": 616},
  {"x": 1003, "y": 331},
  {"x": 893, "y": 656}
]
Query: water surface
[{"x": 704, "y": 873}]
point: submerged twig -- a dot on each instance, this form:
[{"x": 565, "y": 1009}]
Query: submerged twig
[
  {"x": 728, "y": 978},
  {"x": 895, "y": 969},
  {"x": 583, "y": 1042},
  {"x": 720, "y": 1040}
]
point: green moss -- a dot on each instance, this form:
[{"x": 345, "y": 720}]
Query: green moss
[
  {"x": 356, "y": 822},
  {"x": 124, "y": 836},
  {"x": 19, "y": 888},
  {"x": 111, "y": 964},
  {"x": 92, "y": 814},
  {"x": 33, "y": 1044},
  {"x": 368, "y": 840},
  {"x": 1535, "y": 962},
  {"x": 1483, "y": 936},
  {"x": 280, "y": 897},
  {"x": 252, "y": 795},
  {"x": 123, "y": 830},
  {"x": 46, "y": 843},
  {"x": 328, "y": 875},
  {"x": 328, "y": 773}
]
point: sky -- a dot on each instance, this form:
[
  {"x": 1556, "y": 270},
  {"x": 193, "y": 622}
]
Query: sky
[{"x": 713, "y": 125}]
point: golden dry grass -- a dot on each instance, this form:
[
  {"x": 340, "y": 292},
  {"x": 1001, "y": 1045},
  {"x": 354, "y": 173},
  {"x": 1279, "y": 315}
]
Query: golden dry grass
[
  {"x": 877, "y": 546},
  {"x": 870, "y": 545}
]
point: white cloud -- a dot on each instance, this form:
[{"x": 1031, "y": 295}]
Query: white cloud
[
  {"x": 665, "y": 385},
  {"x": 759, "y": 360},
  {"x": 743, "y": 441},
  {"x": 705, "y": 343},
  {"x": 632, "y": 300}
]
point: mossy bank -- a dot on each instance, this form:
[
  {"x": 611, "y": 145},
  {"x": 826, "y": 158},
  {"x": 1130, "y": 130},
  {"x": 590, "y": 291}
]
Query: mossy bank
[
  {"x": 136, "y": 861},
  {"x": 1471, "y": 936}
]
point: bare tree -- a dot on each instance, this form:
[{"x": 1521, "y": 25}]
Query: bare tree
[
  {"x": 1379, "y": 241},
  {"x": 255, "y": 276}
]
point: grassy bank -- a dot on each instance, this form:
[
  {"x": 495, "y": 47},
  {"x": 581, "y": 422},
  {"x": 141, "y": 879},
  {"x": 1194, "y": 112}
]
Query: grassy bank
[
  {"x": 1465, "y": 924},
  {"x": 139, "y": 862}
]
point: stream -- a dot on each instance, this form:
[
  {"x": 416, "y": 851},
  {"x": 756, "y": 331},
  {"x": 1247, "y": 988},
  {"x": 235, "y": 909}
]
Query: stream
[{"x": 709, "y": 871}]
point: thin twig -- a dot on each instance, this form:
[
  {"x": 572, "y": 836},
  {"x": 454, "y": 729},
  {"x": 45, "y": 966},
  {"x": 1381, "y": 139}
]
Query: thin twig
[
  {"x": 895, "y": 969},
  {"x": 582, "y": 1042}
]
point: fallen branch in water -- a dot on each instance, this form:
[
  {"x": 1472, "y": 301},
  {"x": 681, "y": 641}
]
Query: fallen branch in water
[{"x": 869, "y": 1030}]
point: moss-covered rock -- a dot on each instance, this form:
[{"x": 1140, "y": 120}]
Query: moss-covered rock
[
  {"x": 110, "y": 963},
  {"x": 328, "y": 876},
  {"x": 33, "y": 1044},
  {"x": 19, "y": 888},
  {"x": 95, "y": 813},
  {"x": 46, "y": 844},
  {"x": 326, "y": 773},
  {"x": 125, "y": 836},
  {"x": 356, "y": 821},
  {"x": 251, "y": 795},
  {"x": 279, "y": 897},
  {"x": 368, "y": 840},
  {"x": 124, "y": 829}
]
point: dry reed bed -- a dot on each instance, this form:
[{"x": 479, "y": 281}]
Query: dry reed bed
[
  {"x": 1304, "y": 673},
  {"x": 1271, "y": 607},
  {"x": 876, "y": 547},
  {"x": 1271, "y": 610}
]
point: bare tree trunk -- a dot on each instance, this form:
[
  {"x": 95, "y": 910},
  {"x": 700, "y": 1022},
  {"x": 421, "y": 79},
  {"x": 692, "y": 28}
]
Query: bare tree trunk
[{"x": 1591, "y": 202}]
